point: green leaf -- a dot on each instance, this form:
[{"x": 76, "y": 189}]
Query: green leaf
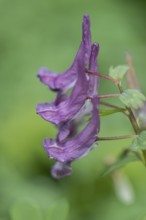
[
  {"x": 58, "y": 210},
  {"x": 110, "y": 111},
  {"x": 123, "y": 160},
  {"x": 118, "y": 72},
  {"x": 25, "y": 210},
  {"x": 139, "y": 143},
  {"x": 132, "y": 98}
]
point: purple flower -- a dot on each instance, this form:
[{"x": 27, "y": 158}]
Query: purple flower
[
  {"x": 67, "y": 79},
  {"x": 84, "y": 88},
  {"x": 67, "y": 112},
  {"x": 78, "y": 146},
  {"x": 67, "y": 109},
  {"x": 71, "y": 127}
]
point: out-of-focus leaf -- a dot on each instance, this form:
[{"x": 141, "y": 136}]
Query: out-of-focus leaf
[
  {"x": 25, "y": 210},
  {"x": 139, "y": 143},
  {"x": 132, "y": 98},
  {"x": 121, "y": 162},
  {"x": 118, "y": 72},
  {"x": 58, "y": 210}
]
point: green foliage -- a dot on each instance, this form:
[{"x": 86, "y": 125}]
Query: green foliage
[
  {"x": 132, "y": 98},
  {"x": 25, "y": 209},
  {"x": 139, "y": 143},
  {"x": 142, "y": 218},
  {"x": 29, "y": 209},
  {"x": 35, "y": 194},
  {"x": 118, "y": 72},
  {"x": 58, "y": 210}
]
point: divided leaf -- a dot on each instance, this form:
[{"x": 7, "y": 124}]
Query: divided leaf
[
  {"x": 132, "y": 98},
  {"x": 139, "y": 143},
  {"x": 118, "y": 72}
]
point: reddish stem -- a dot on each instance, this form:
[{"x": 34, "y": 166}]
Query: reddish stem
[
  {"x": 108, "y": 96},
  {"x": 102, "y": 76}
]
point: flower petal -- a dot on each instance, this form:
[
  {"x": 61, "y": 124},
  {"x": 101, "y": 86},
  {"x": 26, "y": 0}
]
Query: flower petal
[
  {"x": 80, "y": 145},
  {"x": 93, "y": 79},
  {"x": 70, "y": 128},
  {"x": 86, "y": 37},
  {"x": 67, "y": 130}
]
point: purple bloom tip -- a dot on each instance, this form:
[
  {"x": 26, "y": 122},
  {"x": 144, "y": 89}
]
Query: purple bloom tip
[
  {"x": 47, "y": 77},
  {"x": 67, "y": 79},
  {"x": 60, "y": 170}
]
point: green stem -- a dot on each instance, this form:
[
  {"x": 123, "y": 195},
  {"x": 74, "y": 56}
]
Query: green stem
[
  {"x": 129, "y": 111},
  {"x": 132, "y": 82},
  {"x": 116, "y": 138},
  {"x": 134, "y": 123},
  {"x": 130, "y": 114}
]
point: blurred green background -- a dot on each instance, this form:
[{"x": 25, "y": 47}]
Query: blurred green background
[{"x": 47, "y": 33}]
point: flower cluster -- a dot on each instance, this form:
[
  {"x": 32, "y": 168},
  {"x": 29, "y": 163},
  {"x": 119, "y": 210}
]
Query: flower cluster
[{"x": 67, "y": 112}]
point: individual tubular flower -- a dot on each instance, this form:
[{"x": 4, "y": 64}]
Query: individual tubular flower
[
  {"x": 78, "y": 146},
  {"x": 68, "y": 108},
  {"x": 74, "y": 147},
  {"x": 67, "y": 79}
]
